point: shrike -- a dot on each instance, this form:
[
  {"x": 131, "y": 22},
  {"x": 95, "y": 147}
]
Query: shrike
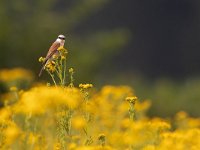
[{"x": 60, "y": 41}]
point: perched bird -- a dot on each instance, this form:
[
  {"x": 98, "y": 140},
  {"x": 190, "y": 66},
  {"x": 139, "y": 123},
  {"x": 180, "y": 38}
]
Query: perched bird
[{"x": 60, "y": 41}]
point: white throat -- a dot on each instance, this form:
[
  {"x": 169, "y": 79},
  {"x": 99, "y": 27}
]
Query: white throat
[{"x": 62, "y": 42}]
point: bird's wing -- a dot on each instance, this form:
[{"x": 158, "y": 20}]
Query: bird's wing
[{"x": 53, "y": 49}]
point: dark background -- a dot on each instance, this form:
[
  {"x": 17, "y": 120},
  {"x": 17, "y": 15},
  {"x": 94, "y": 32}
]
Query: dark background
[
  {"x": 165, "y": 35},
  {"x": 152, "y": 45}
]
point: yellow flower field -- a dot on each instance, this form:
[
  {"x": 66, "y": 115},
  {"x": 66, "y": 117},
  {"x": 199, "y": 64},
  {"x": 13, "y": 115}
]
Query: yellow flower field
[
  {"x": 69, "y": 118},
  {"x": 65, "y": 117}
]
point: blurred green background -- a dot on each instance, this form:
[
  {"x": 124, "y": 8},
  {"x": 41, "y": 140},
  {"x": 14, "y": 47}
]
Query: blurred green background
[{"x": 152, "y": 46}]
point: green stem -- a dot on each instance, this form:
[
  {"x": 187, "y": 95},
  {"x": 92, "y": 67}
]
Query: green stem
[
  {"x": 64, "y": 75},
  {"x": 52, "y": 78},
  {"x": 59, "y": 71},
  {"x": 71, "y": 80},
  {"x": 132, "y": 112}
]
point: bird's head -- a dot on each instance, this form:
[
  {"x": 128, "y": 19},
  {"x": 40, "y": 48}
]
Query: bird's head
[{"x": 61, "y": 37}]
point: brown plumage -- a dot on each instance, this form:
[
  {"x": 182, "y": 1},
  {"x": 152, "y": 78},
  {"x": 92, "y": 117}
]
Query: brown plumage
[{"x": 52, "y": 50}]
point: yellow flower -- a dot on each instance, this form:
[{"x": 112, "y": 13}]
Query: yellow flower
[
  {"x": 181, "y": 115},
  {"x": 13, "y": 88},
  {"x": 72, "y": 146},
  {"x": 5, "y": 114},
  {"x": 85, "y": 86},
  {"x": 60, "y": 48},
  {"x": 131, "y": 99},
  {"x": 71, "y": 70},
  {"x": 51, "y": 66},
  {"x": 125, "y": 123},
  {"x": 63, "y": 57},
  {"x": 57, "y": 146},
  {"x": 101, "y": 137},
  {"x": 55, "y": 56},
  {"x": 12, "y": 132},
  {"x": 41, "y": 59},
  {"x": 78, "y": 122}
]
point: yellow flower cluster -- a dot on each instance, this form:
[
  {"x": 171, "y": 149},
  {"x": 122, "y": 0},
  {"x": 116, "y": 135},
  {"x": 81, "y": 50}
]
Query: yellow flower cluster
[
  {"x": 62, "y": 50},
  {"x": 57, "y": 118},
  {"x": 7, "y": 75},
  {"x": 131, "y": 99},
  {"x": 51, "y": 66},
  {"x": 40, "y": 99}
]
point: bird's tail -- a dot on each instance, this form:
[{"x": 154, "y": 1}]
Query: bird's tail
[
  {"x": 41, "y": 71},
  {"x": 43, "y": 67}
]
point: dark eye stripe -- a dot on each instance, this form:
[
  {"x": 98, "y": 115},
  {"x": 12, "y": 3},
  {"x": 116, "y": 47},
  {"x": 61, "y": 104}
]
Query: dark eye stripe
[{"x": 61, "y": 38}]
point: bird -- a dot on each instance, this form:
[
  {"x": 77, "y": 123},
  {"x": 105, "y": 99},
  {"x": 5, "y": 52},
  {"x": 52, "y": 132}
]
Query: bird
[{"x": 60, "y": 41}]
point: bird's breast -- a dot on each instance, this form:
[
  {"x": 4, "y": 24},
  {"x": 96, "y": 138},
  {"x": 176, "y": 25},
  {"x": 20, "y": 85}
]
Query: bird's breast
[{"x": 62, "y": 43}]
